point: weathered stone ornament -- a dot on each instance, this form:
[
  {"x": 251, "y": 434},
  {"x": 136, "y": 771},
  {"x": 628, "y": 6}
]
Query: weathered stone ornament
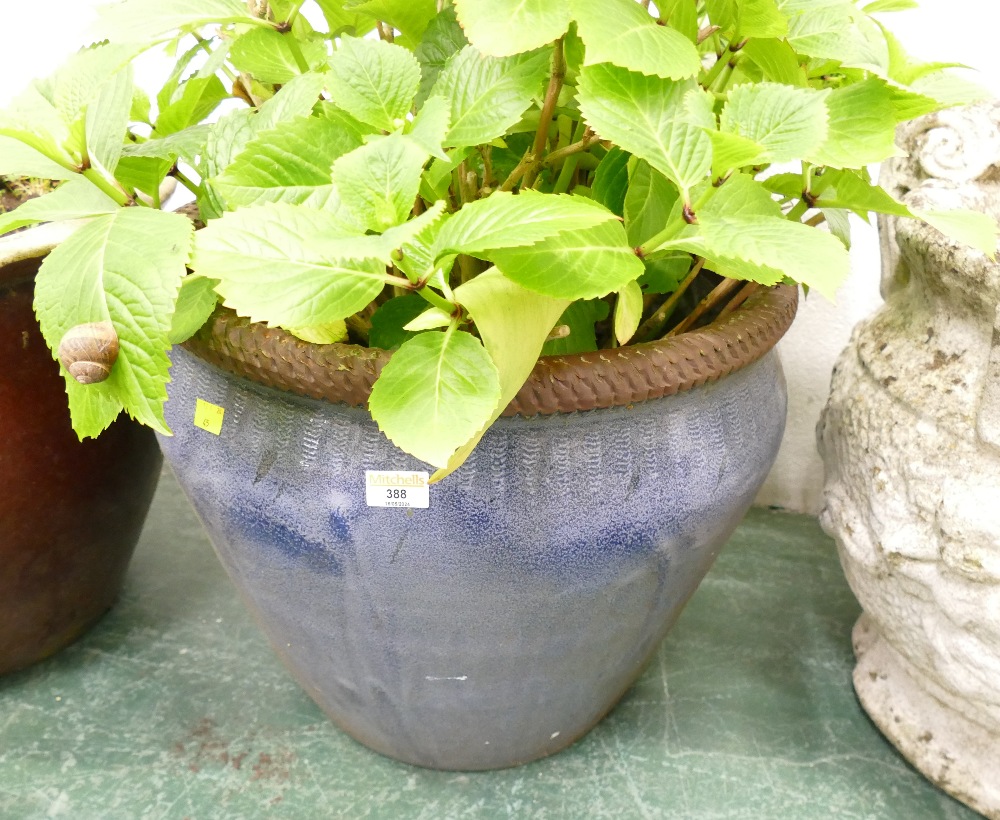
[{"x": 911, "y": 443}]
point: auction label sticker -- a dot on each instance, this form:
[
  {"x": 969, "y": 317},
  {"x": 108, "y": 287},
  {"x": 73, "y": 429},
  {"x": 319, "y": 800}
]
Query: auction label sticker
[
  {"x": 208, "y": 416},
  {"x": 397, "y": 488}
]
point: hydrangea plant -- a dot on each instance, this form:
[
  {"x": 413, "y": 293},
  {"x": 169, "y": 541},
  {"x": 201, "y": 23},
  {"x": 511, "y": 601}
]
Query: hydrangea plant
[{"x": 471, "y": 183}]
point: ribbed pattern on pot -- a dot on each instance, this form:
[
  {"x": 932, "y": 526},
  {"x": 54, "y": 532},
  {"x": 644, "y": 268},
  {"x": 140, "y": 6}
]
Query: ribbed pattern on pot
[{"x": 558, "y": 384}]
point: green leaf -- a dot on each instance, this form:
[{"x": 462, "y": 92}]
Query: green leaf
[
  {"x": 141, "y": 108},
  {"x": 374, "y": 81},
  {"x": 124, "y": 267},
  {"x": 861, "y": 127},
  {"x": 82, "y": 78},
  {"x": 430, "y": 126},
  {"x": 142, "y": 174},
  {"x": 197, "y": 99},
  {"x": 502, "y": 28},
  {"x": 628, "y": 312},
  {"x": 443, "y": 39},
  {"x": 767, "y": 249},
  {"x": 748, "y": 18},
  {"x": 646, "y": 117},
  {"x": 195, "y": 303},
  {"x": 664, "y": 273},
  {"x": 488, "y": 95},
  {"x": 436, "y": 180},
  {"x": 358, "y": 130},
  {"x": 290, "y": 163},
  {"x": 908, "y": 104},
  {"x": 948, "y": 89},
  {"x": 731, "y": 151},
  {"x": 580, "y": 317},
  {"x": 760, "y": 18},
  {"x": 648, "y": 203},
  {"x": 19, "y": 160},
  {"x": 332, "y": 333},
  {"x": 106, "y": 121},
  {"x": 839, "y": 223},
  {"x": 187, "y": 145},
  {"x": 378, "y": 182},
  {"x": 409, "y": 17},
  {"x": 436, "y": 392},
  {"x": 340, "y": 20},
  {"x": 226, "y": 139},
  {"x": 142, "y": 21},
  {"x": 849, "y": 191},
  {"x": 890, "y": 5},
  {"x": 389, "y": 321},
  {"x": 777, "y": 60},
  {"x": 967, "y": 227},
  {"x": 296, "y": 98},
  {"x": 789, "y": 123},
  {"x": 577, "y": 264},
  {"x": 513, "y": 323},
  {"x": 835, "y": 30},
  {"x": 48, "y": 116},
  {"x": 903, "y": 68},
  {"x": 610, "y": 185},
  {"x": 634, "y": 40},
  {"x": 681, "y": 16},
  {"x": 430, "y": 319},
  {"x": 169, "y": 91},
  {"x": 504, "y": 220},
  {"x": 322, "y": 279},
  {"x": 74, "y": 199},
  {"x": 35, "y": 124},
  {"x": 270, "y": 57},
  {"x": 414, "y": 241},
  {"x": 742, "y": 195}
]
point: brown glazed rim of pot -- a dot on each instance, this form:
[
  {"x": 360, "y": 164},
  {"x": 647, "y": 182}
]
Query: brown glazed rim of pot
[{"x": 345, "y": 373}]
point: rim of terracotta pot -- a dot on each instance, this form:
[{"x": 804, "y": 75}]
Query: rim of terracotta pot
[{"x": 345, "y": 373}]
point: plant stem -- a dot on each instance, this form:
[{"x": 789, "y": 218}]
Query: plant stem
[
  {"x": 113, "y": 191},
  {"x": 486, "y": 152},
  {"x": 653, "y": 327},
  {"x": 654, "y": 243},
  {"x": 294, "y": 13},
  {"x": 741, "y": 296},
  {"x": 518, "y": 172},
  {"x": 467, "y": 267},
  {"x": 385, "y": 32},
  {"x": 548, "y": 107},
  {"x": 798, "y": 211},
  {"x": 186, "y": 181},
  {"x": 578, "y": 147},
  {"x": 207, "y": 48},
  {"x": 296, "y": 49},
  {"x": 437, "y": 300},
  {"x": 359, "y": 326},
  {"x": 717, "y": 295},
  {"x": 715, "y": 70}
]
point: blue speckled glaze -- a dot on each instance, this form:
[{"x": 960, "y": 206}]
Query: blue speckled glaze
[{"x": 503, "y": 622}]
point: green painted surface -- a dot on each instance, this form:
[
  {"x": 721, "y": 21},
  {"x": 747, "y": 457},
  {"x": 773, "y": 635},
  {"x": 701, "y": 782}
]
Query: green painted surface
[{"x": 174, "y": 707}]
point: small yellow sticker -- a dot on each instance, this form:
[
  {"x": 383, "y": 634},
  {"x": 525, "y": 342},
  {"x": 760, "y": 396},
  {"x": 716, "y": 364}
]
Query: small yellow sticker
[{"x": 208, "y": 416}]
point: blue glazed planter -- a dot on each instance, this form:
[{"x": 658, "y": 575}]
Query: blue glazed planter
[{"x": 503, "y": 622}]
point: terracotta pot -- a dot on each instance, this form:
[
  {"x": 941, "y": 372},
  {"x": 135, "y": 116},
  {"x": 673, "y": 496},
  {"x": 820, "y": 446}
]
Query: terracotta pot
[
  {"x": 70, "y": 512},
  {"x": 502, "y": 622}
]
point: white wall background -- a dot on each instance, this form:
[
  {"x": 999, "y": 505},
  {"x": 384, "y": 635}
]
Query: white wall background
[{"x": 946, "y": 30}]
